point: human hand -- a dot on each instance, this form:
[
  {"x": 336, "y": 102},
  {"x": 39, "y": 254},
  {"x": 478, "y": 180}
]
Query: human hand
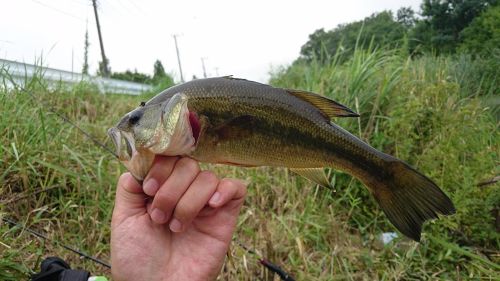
[{"x": 178, "y": 228}]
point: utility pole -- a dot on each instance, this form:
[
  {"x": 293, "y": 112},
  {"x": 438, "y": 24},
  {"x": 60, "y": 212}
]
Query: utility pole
[
  {"x": 178, "y": 57},
  {"x": 203, "y": 65},
  {"x": 105, "y": 69}
]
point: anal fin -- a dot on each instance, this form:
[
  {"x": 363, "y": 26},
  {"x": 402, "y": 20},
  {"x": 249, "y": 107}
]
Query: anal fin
[{"x": 317, "y": 175}]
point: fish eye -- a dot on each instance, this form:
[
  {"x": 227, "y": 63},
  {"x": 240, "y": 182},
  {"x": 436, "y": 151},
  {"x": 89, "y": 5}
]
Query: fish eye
[
  {"x": 134, "y": 117},
  {"x": 142, "y": 104}
]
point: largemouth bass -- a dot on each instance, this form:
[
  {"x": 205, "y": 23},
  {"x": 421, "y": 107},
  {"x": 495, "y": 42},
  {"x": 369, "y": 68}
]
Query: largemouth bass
[{"x": 238, "y": 122}]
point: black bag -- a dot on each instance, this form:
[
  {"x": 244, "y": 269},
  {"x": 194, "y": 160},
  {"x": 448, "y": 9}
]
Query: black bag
[{"x": 55, "y": 269}]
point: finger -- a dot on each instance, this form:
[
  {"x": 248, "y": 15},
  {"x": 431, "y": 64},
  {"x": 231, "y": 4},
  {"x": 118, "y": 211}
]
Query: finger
[
  {"x": 149, "y": 202},
  {"x": 129, "y": 192},
  {"x": 207, "y": 211},
  {"x": 228, "y": 190},
  {"x": 129, "y": 199},
  {"x": 167, "y": 197},
  {"x": 193, "y": 200},
  {"x": 160, "y": 171}
]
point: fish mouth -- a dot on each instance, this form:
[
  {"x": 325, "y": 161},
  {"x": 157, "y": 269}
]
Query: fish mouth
[
  {"x": 137, "y": 162},
  {"x": 175, "y": 133},
  {"x": 124, "y": 144}
]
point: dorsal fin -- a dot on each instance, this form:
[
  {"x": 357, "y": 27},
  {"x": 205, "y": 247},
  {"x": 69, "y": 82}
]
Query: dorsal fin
[{"x": 328, "y": 107}]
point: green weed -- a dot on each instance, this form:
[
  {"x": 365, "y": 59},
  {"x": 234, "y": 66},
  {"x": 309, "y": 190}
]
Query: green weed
[{"x": 424, "y": 111}]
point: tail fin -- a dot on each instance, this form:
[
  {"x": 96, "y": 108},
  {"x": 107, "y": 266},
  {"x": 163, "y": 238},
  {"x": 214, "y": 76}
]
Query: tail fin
[{"x": 409, "y": 198}]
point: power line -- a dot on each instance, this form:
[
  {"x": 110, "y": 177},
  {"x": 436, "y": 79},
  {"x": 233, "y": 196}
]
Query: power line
[
  {"x": 111, "y": 7},
  {"x": 137, "y": 7},
  {"x": 124, "y": 6},
  {"x": 81, "y": 3},
  {"x": 58, "y": 10}
]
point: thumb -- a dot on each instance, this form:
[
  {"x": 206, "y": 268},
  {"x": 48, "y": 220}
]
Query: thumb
[{"x": 130, "y": 199}]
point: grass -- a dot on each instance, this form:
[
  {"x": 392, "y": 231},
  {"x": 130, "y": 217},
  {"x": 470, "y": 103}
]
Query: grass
[{"x": 423, "y": 110}]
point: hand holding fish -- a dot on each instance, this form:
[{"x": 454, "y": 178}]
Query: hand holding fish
[{"x": 178, "y": 228}]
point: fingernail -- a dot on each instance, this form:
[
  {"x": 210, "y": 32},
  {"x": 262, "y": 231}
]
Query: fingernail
[
  {"x": 150, "y": 187},
  {"x": 215, "y": 198},
  {"x": 158, "y": 216},
  {"x": 175, "y": 225}
]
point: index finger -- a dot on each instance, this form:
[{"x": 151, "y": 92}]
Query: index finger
[
  {"x": 228, "y": 190},
  {"x": 160, "y": 171}
]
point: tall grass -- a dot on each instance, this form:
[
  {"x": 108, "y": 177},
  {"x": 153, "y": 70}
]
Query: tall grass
[
  {"x": 56, "y": 181},
  {"x": 52, "y": 177}
]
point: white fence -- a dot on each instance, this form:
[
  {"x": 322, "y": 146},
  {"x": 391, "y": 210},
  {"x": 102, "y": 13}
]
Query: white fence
[{"x": 20, "y": 71}]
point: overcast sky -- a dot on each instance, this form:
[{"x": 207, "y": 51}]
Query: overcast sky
[{"x": 241, "y": 38}]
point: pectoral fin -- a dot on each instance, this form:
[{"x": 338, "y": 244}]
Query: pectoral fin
[{"x": 316, "y": 175}]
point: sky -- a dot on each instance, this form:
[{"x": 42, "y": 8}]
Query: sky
[{"x": 242, "y": 38}]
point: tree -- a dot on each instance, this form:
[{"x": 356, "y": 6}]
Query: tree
[
  {"x": 161, "y": 80},
  {"x": 380, "y": 29},
  {"x": 85, "y": 68},
  {"x": 158, "y": 72},
  {"x": 104, "y": 69},
  {"x": 483, "y": 34},
  {"x": 406, "y": 17},
  {"x": 318, "y": 41},
  {"x": 132, "y": 76},
  {"x": 444, "y": 20}
]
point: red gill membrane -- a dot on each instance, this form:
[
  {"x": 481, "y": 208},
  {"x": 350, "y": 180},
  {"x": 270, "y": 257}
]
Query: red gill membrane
[{"x": 195, "y": 125}]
